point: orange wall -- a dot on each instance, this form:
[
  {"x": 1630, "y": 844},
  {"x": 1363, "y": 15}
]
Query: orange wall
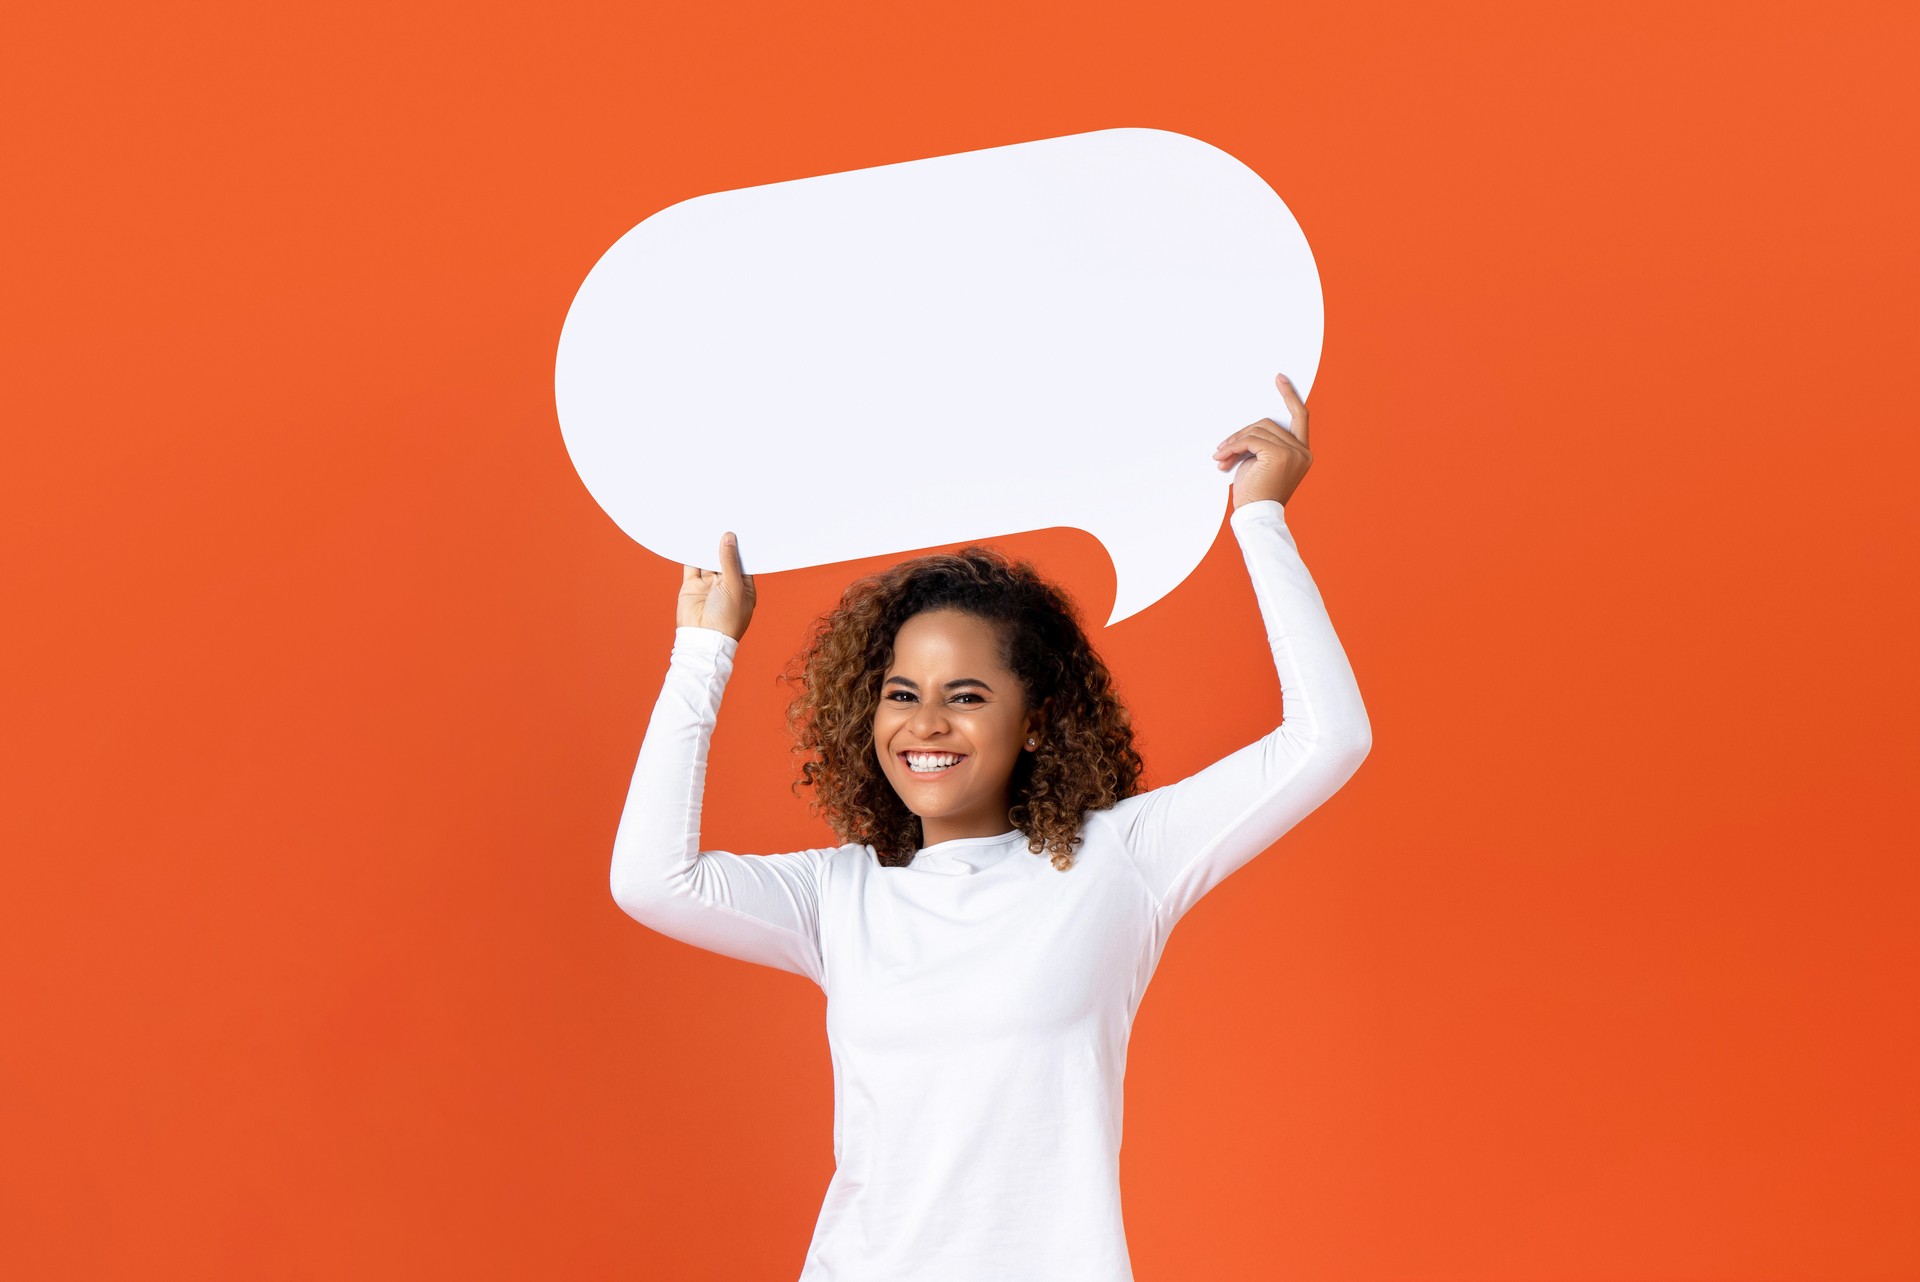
[{"x": 324, "y": 674}]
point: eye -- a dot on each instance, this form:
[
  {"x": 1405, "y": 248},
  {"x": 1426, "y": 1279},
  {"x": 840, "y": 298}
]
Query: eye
[{"x": 908, "y": 694}]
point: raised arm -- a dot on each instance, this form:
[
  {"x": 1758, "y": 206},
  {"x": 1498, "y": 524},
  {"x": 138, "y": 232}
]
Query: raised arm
[
  {"x": 758, "y": 908},
  {"x": 1188, "y": 836}
]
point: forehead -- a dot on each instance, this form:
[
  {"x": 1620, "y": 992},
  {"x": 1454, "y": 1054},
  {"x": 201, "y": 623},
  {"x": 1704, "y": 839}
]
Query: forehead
[{"x": 946, "y": 638}]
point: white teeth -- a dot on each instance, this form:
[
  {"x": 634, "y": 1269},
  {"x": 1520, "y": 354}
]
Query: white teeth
[{"x": 928, "y": 763}]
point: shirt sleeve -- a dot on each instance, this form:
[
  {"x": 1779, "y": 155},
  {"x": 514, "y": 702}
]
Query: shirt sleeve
[
  {"x": 1189, "y": 836},
  {"x": 758, "y": 908}
]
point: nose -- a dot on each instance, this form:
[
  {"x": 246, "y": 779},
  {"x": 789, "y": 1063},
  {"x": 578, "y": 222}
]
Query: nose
[{"x": 928, "y": 720}]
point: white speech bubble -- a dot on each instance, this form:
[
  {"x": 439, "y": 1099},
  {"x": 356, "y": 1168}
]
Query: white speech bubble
[{"x": 1053, "y": 333}]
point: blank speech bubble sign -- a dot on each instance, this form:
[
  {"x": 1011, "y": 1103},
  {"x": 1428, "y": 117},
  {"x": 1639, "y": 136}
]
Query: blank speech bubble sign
[{"x": 1052, "y": 333}]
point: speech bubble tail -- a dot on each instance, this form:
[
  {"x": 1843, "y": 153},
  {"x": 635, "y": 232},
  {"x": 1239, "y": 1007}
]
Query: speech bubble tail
[{"x": 1150, "y": 560}]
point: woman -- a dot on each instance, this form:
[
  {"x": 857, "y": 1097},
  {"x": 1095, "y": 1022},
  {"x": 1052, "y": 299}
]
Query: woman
[{"x": 986, "y": 934}]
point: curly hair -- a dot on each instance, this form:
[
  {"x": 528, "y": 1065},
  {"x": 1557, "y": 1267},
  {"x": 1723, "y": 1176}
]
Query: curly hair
[{"x": 1086, "y": 762}]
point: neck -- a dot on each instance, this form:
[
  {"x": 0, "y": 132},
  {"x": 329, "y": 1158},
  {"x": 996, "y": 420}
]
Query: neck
[{"x": 990, "y": 823}]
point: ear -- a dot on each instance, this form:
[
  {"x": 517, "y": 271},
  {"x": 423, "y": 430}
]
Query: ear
[{"x": 1037, "y": 719}]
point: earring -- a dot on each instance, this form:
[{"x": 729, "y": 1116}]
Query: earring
[{"x": 1033, "y": 743}]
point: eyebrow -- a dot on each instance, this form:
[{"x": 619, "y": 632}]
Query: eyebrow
[{"x": 951, "y": 685}]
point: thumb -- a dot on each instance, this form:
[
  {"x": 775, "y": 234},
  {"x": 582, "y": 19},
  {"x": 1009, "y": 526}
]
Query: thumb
[{"x": 730, "y": 557}]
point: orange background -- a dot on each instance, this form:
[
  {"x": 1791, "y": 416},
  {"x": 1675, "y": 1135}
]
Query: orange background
[{"x": 324, "y": 674}]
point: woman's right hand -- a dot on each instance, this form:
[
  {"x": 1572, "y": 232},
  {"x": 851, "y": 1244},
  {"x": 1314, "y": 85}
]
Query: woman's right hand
[{"x": 719, "y": 599}]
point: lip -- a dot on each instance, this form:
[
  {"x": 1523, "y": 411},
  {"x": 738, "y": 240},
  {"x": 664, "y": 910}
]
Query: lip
[{"x": 942, "y": 774}]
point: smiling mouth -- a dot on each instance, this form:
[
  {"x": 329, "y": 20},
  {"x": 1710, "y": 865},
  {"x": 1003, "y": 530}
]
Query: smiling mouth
[{"x": 930, "y": 774}]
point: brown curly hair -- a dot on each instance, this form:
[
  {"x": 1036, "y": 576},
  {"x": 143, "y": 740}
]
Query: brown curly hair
[{"x": 1086, "y": 762}]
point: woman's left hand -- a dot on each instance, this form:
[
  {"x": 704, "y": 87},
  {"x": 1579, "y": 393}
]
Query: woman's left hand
[{"x": 1273, "y": 459}]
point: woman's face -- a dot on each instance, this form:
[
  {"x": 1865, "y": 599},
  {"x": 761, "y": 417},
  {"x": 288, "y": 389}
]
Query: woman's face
[{"x": 945, "y": 692}]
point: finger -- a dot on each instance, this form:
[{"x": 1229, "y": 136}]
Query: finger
[
  {"x": 1265, "y": 430},
  {"x": 1296, "y": 408},
  {"x": 730, "y": 556}
]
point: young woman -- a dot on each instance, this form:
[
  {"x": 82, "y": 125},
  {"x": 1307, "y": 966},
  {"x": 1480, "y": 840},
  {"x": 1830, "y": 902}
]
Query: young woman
[{"x": 1005, "y": 891}]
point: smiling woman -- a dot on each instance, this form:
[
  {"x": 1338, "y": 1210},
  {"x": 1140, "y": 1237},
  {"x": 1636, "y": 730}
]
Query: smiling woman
[
  {"x": 948, "y": 632},
  {"x": 968, "y": 654},
  {"x": 951, "y": 755},
  {"x": 1003, "y": 891}
]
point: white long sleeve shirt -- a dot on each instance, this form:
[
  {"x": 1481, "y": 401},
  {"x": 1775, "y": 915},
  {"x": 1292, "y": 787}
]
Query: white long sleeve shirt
[{"x": 979, "y": 1001}]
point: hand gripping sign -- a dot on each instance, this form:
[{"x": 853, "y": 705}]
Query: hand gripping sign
[{"x": 926, "y": 353}]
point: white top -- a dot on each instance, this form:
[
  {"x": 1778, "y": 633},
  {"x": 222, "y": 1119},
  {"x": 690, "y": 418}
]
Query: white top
[{"x": 979, "y": 1001}]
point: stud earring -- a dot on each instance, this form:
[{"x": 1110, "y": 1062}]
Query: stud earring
[{"x": 1033, "y": 743}]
